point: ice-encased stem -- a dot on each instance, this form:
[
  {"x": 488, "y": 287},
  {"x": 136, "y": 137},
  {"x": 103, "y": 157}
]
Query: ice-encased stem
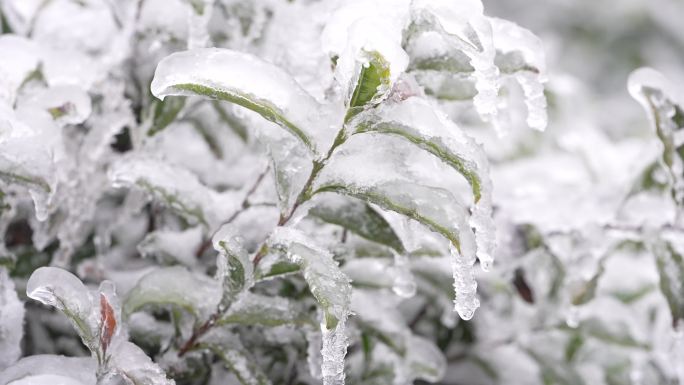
[
  {"x": 198, "y": 23},
  {"x": 333, "y": 351}
]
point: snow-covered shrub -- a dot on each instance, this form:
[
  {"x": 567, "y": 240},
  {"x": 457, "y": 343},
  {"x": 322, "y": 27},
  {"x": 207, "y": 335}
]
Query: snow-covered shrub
[{"x": 310, "y": 200}]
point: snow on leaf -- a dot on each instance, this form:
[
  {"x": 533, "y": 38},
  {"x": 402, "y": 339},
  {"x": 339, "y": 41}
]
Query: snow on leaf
[
  {"x": 332, "y": 291},
  {"x": 20, "y": 59},
  {"x": 357, "y": 217},
  {"x": 11, "y": 321},
  {"x": 242, "y": 79},
  {"x": 46, "y": 368},
  {"x": 169, "y": 286},
  {"x": 66, "y": 104},
  {"x": 234, "y": 267},
  {"x": 129, "y": 361},
  {"x": 238, "y": 360},
  {"x": 59, "y": 288},
  {"x": 171, "y": 247}
]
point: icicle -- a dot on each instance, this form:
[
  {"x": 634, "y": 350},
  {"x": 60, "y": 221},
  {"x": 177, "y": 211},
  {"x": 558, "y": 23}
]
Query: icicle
[
  {"x": 333, "y": 350},
  {"x": 465, "y": 286},
  {"x": 509, "y": 37},
  {"x": 534, "y": 99},
  {"x": 198, "y": 23}
]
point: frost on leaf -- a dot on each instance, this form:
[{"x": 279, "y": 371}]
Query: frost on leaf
[
  {"x": 332, "y": 291},
  {"x": 11, "y": 321},
  {"x": 269, "y": 311},
  {"x": 242, "y": 79},
  {"x": 670, "y": 264},
  {"x": 169, "y": 287}
]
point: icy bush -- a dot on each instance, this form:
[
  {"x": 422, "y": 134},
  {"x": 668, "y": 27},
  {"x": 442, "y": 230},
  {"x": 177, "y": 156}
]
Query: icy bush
[{"x": 306, "y": 192}]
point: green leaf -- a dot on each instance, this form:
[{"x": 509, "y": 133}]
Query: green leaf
[
  {"x": 434, "y": 207},
  {"x": 359, "y": 218},
  {"x": 174, "y": 286},
  {"x": 165, "y": 112},
  {"x": 276, "y": 269},
  {"x": 235, "y": 268},
  {"x": 243, "y": 79},
  {"x": 670, "y": 264},
  {"x": 327, "y": 283},
  {"x": 237, "y": 359},
  {"x": 268, "y": 311},
  {"x": 374, "y": 76},
  {"x": 233, "y": 121}
]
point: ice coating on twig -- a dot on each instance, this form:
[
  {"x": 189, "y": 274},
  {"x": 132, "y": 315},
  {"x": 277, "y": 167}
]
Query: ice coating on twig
[
  {"x": 660, "y": 98},
  {"x": 510, "y": 37}
]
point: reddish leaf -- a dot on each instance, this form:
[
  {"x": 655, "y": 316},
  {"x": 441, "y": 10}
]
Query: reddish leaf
[{"x": 108, "y": 322}]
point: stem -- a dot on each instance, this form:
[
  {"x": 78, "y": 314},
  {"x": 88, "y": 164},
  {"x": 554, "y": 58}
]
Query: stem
[{"x": 303, "y": 196}]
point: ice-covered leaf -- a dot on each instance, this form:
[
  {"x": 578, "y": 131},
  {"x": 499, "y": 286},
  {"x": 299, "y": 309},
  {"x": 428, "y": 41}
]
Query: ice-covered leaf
[
  {"x": 257, "y": 309},
  {"x": 135, "y": 367},
  {"x": 332, "y": 291},
  {"x": 587, "y": 290},
  {"x": 663, "y": 104},
  {"x": 327, "y": 283},
  {"x": 51, "y": 369},
  {"x": 242, "y": 79},
  {"x": 59, "y": 288},
  {"x": 168, "y": 286},
  {"x": 234, "y": 267},
  {"x": 419, "y": 123},
  {"x": 236, "y": 357},
  {"x": 670, "y": 264},
  {"x": 357, "y": 217},
  {"x": 171, "y": 247},
  {"x": 11, "y": 321},
  {"x": 373, "y": 79},
  {"x": 20, "y": 59}
]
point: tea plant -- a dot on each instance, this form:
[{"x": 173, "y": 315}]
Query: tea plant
[{"x": 305, "y": 201}]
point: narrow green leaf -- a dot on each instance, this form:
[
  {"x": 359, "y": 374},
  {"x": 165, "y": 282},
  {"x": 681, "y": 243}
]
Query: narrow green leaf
[
  {"x": 373, "y": 76},
  {"x": 268, "y": 311},
  {"x": 670, "y": 264},
  {"x": 165, "y": 112},
  {"x": 235, "y": 268},
  {"x": 359, "y": 218}
]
